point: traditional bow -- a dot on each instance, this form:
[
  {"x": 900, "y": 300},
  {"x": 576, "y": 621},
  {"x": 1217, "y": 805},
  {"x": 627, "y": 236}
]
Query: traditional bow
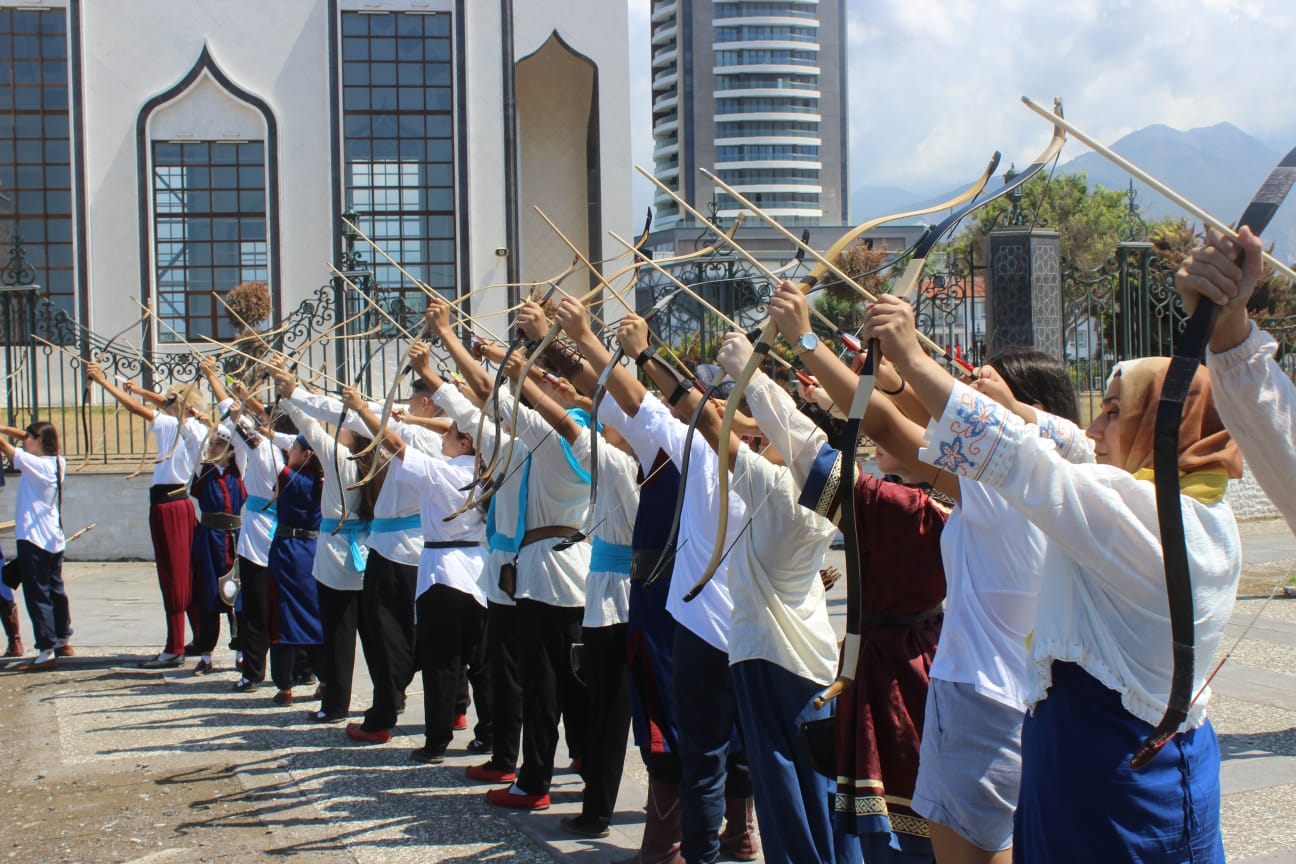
[{"x": 1187, "y": 356}]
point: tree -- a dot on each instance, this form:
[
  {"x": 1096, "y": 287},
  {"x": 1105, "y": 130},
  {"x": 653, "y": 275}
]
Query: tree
[{"x": 1275, "y": 295}]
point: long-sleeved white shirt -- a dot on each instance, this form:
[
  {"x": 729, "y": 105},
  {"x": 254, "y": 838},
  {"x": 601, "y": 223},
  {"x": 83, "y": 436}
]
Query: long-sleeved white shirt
[
  {"x": 607, "y": 592},
  {"x": 556, "y": 496},
  {"x": 180, "y": 457},
  {"x": 335, "y": 560},
  {"x": 437, "y": 482},
  {"x": 1257, "y": 402},
  {"x": 260, "y": 467},
  {"x": 706, "y": 616},
  {"x": 1102, "y": 601},
  {"x": 780, "y": 610},
  {"x": 395, "y": 500}
]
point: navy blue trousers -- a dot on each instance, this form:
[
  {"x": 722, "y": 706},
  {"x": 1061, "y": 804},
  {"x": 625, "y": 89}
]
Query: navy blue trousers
[
  {"x": 791, "y": 797},
  {"x": 44, "y": 593},
  {"x": 710, "y": 744}
]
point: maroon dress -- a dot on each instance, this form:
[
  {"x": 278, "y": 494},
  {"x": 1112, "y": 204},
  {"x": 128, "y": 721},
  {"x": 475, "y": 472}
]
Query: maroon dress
[{"x": 880, "y": 717}]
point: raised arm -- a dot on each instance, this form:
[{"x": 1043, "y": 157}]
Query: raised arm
[
  {"x": 623, "y": 387},
  {"x": 213, "y": 376},
  {"x": 96, "y": 374},
  {"x": 551, "y": 411},
  {"x": 356, "y": 403},
  {"x": 566, "y": 359},
  {"x": 438, "y": 321}
]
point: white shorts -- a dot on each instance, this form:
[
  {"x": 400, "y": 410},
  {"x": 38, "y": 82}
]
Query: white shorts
[{"x": 969, "y": 766}]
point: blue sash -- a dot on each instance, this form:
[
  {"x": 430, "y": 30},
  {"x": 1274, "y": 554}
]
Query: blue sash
[
  {"x": 355, "y": 531},
  {"x": 610, "y": 558},
  {"x": 396, "y": 523},
  {"x": 503, "y": 542}
]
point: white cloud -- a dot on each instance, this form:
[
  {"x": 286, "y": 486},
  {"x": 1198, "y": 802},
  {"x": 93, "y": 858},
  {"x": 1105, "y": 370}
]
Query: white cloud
[{"x": 935, "y": 84}]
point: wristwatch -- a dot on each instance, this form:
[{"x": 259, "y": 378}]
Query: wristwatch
[{"x": 807, "y": 342}]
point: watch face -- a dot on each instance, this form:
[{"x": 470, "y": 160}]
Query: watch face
[{"x": 808, "y": 341}]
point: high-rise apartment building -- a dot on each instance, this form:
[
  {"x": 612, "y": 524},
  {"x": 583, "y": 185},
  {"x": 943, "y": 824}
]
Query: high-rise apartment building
[{"x": 755, "y": 90}]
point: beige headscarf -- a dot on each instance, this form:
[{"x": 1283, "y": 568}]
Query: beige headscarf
[{"x": 1205, "y": 446}]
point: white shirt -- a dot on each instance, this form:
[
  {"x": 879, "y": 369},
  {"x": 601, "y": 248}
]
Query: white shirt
[
  {"x": 555, "y": 496},
  {"x": 438, "y": 481},
  {"x": 1257, "y": 402},
  {"x": 993, "y": 556},
  {"x": 780, "y": 609},
  {"x": 333, "y": 566},
  {"x": 180, "y": 457},
  {"x": 260, "y": 467},
  {"x": 607, "y": 592},
  {"x": 36, "y": 504},
  {"x": 395, "y": 500},
  {"x": 707, "y": 615},
  {"x": 1102, "y": 601}
]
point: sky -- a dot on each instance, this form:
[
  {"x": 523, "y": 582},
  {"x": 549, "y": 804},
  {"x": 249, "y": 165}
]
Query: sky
[{"x": 935, "y": 84}]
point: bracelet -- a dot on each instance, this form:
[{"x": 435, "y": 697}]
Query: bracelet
[
  {"x": 895, "y": 392},
  {"x": 645, "y": 355}
]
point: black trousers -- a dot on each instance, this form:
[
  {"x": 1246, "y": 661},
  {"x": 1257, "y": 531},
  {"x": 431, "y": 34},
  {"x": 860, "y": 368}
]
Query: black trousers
[
  {"x": 209, "y": 626},
  {"x": 387, "y": 636},
  {"x": 504, "y": 646},
  {"x": 288, "y": 663},
  {"x": 549, "y": 689},
  {"x": 450, "y": 625},
  {"x": 607, "y": 678},
  {"x": 252, "y": 621},
  {"x": 340, "y": 617},
  {"x": 44, "y": 593}
]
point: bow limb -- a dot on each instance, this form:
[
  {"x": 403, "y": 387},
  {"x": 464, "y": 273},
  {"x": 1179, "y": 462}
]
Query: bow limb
[
  {"x": 385, "y": 418},
  {"x": 1187, "y": 356}
]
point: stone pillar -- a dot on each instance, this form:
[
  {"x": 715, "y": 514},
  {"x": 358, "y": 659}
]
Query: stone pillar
[{"x": 1023, "y": 300}]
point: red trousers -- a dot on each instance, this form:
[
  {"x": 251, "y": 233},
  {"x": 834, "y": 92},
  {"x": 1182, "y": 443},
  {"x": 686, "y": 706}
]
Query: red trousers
[{"x": 172, "y": 526}]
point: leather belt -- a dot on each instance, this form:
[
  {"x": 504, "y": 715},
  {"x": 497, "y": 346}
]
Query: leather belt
[
  {"x": 221, "y": 521},
  {"x": 165, "y": 493},
  {"x": 284, "y": 531},
  {"x": 876, "y": 619},
  {"x": 548, "y": 532},
  {"x": 450, "y": 544}
]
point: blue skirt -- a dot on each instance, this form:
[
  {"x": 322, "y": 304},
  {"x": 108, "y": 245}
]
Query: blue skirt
[
  {"x": 651, "y": 635},
  {"x": 1081, "y": 802},
  {"x": 293, "y": 599}
]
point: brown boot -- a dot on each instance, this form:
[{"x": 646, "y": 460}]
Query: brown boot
[
  {"x": 9, "y": 618},
  {"x": 738, "y": 839},
  {"x": 661, "y": 837}
]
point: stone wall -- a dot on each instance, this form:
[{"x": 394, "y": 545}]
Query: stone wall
[
  {"x": 118, "y": 507},
  {"x": 1248, "y": 500}
]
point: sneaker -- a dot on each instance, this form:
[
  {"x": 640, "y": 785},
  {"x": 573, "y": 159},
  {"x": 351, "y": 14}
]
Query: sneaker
[
  {"x": 488, "y": 773},
  {"x": 243, "y": 685},
  {"x": 585, "y": 826},
  {"x": 204, "y": 667},
  {"x": 477, "y": 745},
  {"x": 507, "y": 798},
  {"x": 326, "y": 716},
  {"x": 164, "y": 661},
  {"x": 283, "y": 698},
  {"x": 357, "y": 732},
  {"x": 460, "y": 722},
  {"x": 427, "y": 756}
]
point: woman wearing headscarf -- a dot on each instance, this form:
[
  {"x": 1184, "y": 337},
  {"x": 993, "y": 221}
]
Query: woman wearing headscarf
[
  {"x": 1101, "y": 658},
  {"x": 218, "y": 489}
]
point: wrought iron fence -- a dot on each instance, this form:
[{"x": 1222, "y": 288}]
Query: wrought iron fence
[{"x": 45, "y": 378}]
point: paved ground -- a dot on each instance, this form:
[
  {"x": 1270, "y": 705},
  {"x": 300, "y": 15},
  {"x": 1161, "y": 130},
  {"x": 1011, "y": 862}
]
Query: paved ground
[{"x": 102, "y": 762}]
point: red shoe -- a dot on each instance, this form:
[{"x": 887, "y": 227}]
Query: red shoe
[
  {"x": 505, "y": 798},
  {"x": 461, "y": 722},
  {"x": 488, "y": 774},
  {"x": 356, "y": 732}
]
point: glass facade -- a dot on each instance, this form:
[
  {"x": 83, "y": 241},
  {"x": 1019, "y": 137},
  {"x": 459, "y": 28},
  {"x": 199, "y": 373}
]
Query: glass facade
[
  {"x": 398, "y": 142},
  {"x": 209, "y": 231},
  {"x": 35, "y": 145}
]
